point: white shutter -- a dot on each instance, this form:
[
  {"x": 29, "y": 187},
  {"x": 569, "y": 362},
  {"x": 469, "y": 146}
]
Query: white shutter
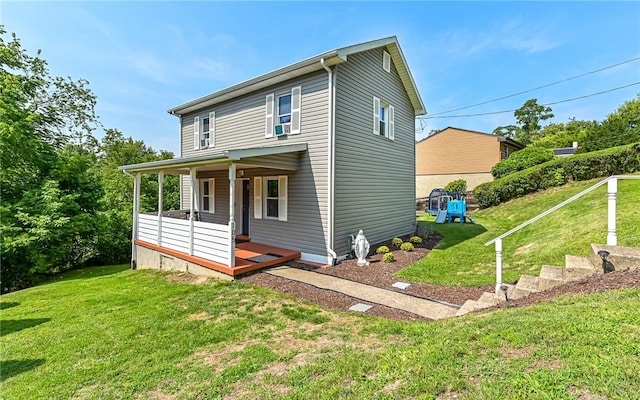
[
  {"x": 386, "y": 61},
  {"x": 268, "y": 125},
  {"x": 391, "y": 123},
  {"x": 196, "y": 133},
  {"x": 212, "y": 195},
  {"x": 282, "y": 197},
  {"x": 376, "y": 116},
  {"x": 257, "y": 198},
  {"x": 296, "y": 101},
  {"x": 212, "y": 129}
]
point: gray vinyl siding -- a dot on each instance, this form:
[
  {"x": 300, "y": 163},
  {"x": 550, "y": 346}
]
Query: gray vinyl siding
[
  {"x": 375, "y": 176},
  {"x": 240, "y": 123}
]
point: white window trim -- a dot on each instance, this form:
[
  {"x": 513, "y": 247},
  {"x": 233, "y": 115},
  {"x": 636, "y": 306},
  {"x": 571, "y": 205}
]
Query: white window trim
[
  {"x": 390, "y": 121},
  {"x": 272, "y": 112},
  {"x": 260, "y": 200},
  {"x": 198, "y": 131},
  {"x": 386, "y": 61},
  {"x": 212, "y": 195}
]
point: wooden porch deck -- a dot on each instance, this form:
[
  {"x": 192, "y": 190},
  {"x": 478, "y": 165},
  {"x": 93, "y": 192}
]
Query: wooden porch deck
[{"x": 249, "y": 257}]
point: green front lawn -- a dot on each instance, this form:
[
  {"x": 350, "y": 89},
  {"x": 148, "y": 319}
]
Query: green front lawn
[
  {"x": 462, "y": 259},
  {"x": 112, "y": 333}
]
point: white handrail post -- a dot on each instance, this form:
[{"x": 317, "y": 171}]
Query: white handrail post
[
  {"x": 193, "y": 206},
  {"x": 612, "y": 190},
  {"x": 136, "y": 219},
  {"x": 160, "y": 205},
  {"x": 232, "y": 208},
  {"x": 498, "y": 265}
]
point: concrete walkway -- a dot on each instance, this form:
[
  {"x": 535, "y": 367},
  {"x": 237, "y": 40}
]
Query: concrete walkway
[{"x": 423, "y": 307}]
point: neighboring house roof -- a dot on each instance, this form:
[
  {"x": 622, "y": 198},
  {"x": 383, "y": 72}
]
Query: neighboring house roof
[
  {"x": 564, "y": 152},
  {"x": 500, "y": 138},
  {"x": 308, "y": 65}
]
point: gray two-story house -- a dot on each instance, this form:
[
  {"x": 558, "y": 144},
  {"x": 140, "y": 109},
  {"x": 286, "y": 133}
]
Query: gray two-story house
[{"x": 289, "y": 164}]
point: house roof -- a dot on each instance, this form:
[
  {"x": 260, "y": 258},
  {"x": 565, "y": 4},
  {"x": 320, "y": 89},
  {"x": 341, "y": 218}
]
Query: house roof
[
  {"x": 500, "y": 138},
  {"x": 312, "y": 64},
  {"x": 222, "y": 158}
]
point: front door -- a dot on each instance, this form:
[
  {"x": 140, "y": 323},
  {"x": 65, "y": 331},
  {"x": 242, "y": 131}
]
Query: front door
[{"x": 242, "y": 206}]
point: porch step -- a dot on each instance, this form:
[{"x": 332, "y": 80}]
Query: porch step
[
  {"x": 487, "y": 299},
  {"x": 550, "y": 277},
  {"x": 527, "y": 284},
  {"x": 467, "y": 307},
  {"x": 577, "y": 268}
]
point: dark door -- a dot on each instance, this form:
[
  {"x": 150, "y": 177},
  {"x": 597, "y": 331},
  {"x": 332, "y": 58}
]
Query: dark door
[{"x": 245, "y": 207}]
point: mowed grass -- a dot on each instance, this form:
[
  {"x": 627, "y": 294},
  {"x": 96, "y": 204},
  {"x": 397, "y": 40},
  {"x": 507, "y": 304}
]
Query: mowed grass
[
  {"x": 112, "y": 333},
  {"x": 462, "y": 259}
]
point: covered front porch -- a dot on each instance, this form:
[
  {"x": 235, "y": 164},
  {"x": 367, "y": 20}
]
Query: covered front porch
[{"x": 196, "y": 235}]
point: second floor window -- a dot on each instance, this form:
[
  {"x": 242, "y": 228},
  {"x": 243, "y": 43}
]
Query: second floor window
[
  {"x": 284, "y": 109},
  {"x": 383, "y": 119},
  {"x": 282, "y": 113},
  {"x": 204, "y": 129}
]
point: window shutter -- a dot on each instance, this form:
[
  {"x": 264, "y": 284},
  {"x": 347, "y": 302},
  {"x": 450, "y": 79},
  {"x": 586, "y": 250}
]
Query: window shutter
[
  {"x": 376, "y": 116},
  {"x": 282, "y": 197},
  {"x": 212, "y": 195},
  {"x": 391, "y": 123},
  {"x": 212, "y": 129},
  {"x": 196, "y": 133},
  {"x": 296, "y": 101},
  {"x": 268, "y": 126},
  {"x": 386, "y": 61},
  {"x": 257, "y": 198}
]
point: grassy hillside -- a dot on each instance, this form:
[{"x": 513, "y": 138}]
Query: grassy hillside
[
  {"x": 462, "y": 259},
  {"x": 112, "y": 333}
]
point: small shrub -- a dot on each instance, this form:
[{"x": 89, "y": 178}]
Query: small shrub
[
  {"x": 424, "y": 231},
  {"x": 388, "y": 258},
  {"x": 415, "y": 239},
  {"x": 459, "y": 185},
  {"x": 406, "y": 246},
  {"x": 396, "y": 242},
  {"x": 382, "y": 250}
]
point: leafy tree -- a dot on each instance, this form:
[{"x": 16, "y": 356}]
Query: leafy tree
[
  {"x": 522, "y": 159},
  {"x": 528, "y": 118},
  {"x": 560, "y": 135},
  {"x": 620, "y": 127}
]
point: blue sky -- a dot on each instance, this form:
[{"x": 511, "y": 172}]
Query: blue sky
[{"x": 142, "y": 58}]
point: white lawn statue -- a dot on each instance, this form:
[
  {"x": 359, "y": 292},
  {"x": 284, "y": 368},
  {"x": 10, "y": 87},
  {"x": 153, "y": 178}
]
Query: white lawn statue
[{"x": 361, "y": 249}]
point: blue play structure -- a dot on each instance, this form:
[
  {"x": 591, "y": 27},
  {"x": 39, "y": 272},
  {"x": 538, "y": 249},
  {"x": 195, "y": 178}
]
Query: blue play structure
[{"x": 447, "y": 206}]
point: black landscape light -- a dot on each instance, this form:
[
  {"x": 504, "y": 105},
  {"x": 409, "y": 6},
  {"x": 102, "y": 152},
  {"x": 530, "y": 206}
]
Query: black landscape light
[
  {"x": 504, "y": 288},
  {"x": 605, "y": 263}
]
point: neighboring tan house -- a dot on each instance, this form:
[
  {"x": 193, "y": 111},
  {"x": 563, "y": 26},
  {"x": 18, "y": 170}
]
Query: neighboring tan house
[
  {"x": 295, "y": 160},
  {"x": 455, "y": 153}
]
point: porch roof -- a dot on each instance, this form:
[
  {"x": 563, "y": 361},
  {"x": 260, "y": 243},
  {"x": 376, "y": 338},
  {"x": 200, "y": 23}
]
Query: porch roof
[{"x": 249, "y": 156}]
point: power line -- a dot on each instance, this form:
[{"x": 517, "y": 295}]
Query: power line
[
  {"x": 539, "y": 87},
  {"x": 547, "y": 104}
]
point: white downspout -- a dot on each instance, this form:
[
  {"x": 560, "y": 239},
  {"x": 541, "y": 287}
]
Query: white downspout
[{"x": 331, "y": 140}]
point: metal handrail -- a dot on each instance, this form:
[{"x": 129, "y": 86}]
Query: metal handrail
[{"x": 612, "y": 209}]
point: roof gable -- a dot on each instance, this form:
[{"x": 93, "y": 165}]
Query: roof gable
[
  {"x": 499, "y": 138},
  {"x": 312, "y": 64}
]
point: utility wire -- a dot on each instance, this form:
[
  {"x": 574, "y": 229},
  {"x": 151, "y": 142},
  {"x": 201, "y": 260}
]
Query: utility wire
[
  {"x": 539, "y": 87},
  {"x": 547, "y": 104}
]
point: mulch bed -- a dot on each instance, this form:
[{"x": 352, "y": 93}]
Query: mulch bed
[{"x": 380, "y": 274}]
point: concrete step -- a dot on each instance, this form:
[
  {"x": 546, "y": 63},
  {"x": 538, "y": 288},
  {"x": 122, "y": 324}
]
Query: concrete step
[
  {"x": 620, "y": 258},
  {"x": 487, "y": 299},
  {"x": 550, "y": 277},
  {"x": 528, "y": 282},
  {"x": 466, "y": 308},
  {"x": 578, "y": 268}
]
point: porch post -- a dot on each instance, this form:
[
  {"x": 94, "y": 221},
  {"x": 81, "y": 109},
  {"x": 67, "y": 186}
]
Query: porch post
[
  {"x": 192, "y": 206},
  {"x": 498, "y": 244},
  {"x": 612, "y": 190},
  {"x": 136, "y": 212},
  {"x": 160, "y": 201},
  {"x": 232, "y": 215}
]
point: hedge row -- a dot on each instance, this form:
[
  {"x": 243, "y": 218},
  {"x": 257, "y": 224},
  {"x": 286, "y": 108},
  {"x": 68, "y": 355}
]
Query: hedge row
[{"x": 557, "y": 172}]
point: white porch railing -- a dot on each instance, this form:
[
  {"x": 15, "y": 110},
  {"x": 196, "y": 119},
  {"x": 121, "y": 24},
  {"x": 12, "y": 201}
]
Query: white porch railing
[
  {"x": 209, "y": 241},
  {"x": 612, "y": 239}
]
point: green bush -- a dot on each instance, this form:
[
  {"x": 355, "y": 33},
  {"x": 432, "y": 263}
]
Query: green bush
[
  {"x": 415, "y": 239},
  {"x": 406, "y": 246},
  {"x": 459, "y": 185},
  {"x": 557, "y": 172},
  {"x": 396, "y": 242},
  {"x": 382, "y": 250},
  {"x": 523, "y": 159},
  {"x": 388, "y": 258}
]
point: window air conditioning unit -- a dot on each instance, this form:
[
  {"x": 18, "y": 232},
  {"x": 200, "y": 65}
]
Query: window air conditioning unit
[
  {"x": 204, "y": 143},
  {"x": 283, "y": 129}
]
